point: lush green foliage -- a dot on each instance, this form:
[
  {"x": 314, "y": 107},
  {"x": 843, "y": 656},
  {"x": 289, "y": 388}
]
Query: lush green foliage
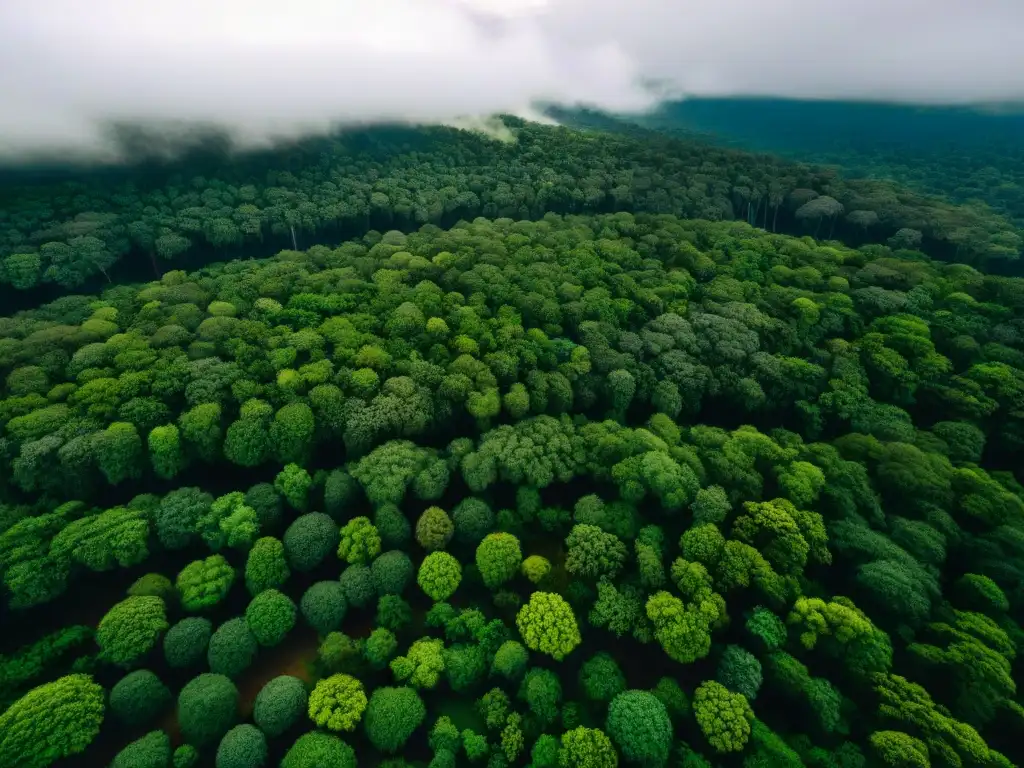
[
  {"x": 178, "y": 515},
  {"x": 265, "y": 500},
  {"x": 545, "y": 752},
  {"x": 185, "y": 756},
  {"x": 186, "y": 642},
  {"x": 392, "y": 572},
  {"x": 434, "y": 529},
  {"x": 394, "y": 528},
  {"x": 510, "y": 660},
  {"x": 498, "y": 558},
  {"x": 723, "y": 717},
  {"x": 323, "y": 606},
  {"x": 601, "y": 678},
  {"x": 319, "y": 750},
  {"x": 244, "y": 746},
  {"x": 548, "y": 625},
  {"x": 138, "y": 697},
  {"x": 393, "y": 613},
  {"x": 207, "y": 708},
  {"x": 536, "y": 568},
  {"x": 392, "y": 715},
  {"x": 380, "y": 647},
  {"x": 770, "y": 480},
  {"x": 229, "y": 523},
  {"x": 309, "y": 540},
  {"x": 439, "y": 575},
  {"x": 740, "y": 671},
  {"x": 592, "y": 553},
  {"x": 419, "y": 174},
  {"x": 270, "y": 616},
  {"x": 475, "y": 746},
  {"x": 279, "y": 705},
  {"x": 337, "y": 702},
  {"x": 154, "y": 585},
  {"x": 51, "y": 721},
  {"x": 422, "y": 664},
  {"x": 473, "y": 519},
  {"x": 131, "y": 629},
  {"x": 47, "y": 654},
  {"x": 587, "y": 748},
  {"x": 767, "y": 628},
  {"x": 266, "y": 566},
  {"x": 232, "y": 648},
  {"x": 357, "y": 585},
  {"x": 204, "y": 583},
  {"x": 945, "y": 150},
  {"x": 542, "y": 692},
  {"x": 669, "y": 693},
  {"x": 151, "y": 751},
  {"x": 639, "y": 725},
  {"x": 360, "y": 541},
  {"x": 445, "y": 736}
]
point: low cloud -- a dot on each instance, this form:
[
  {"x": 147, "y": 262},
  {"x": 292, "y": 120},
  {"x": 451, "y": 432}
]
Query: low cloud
[{"x": 76, "y": 73}]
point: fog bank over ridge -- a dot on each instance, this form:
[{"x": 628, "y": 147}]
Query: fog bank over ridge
[{"x": 263, "y": 70}]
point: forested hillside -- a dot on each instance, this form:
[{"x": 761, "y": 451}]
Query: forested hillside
[
  {"x": 61, "y": 232},
  {"x": 592, "y": 490},
  {"x": 961, "y": 153}
]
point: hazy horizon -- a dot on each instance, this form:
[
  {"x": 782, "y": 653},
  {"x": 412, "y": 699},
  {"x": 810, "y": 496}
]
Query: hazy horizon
[{"x": 263, "y": 71}]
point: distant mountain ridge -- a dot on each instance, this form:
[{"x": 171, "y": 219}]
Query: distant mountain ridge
[{"x": 961, "y": 152}]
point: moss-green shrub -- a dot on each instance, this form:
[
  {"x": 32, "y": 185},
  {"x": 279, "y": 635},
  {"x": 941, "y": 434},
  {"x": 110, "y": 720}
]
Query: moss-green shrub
[
  {"x": 232, "y": 648},
  {"x": 266, "y": 566},
  {"x": 392, "y": 572},
  {"x": 151, "y": 751},
  {"x": 357, "y": 583},
  {"x": 207, "y": 708},
  {"x": 154, "y": 585},
  {"x": 270, "y": 616},
  {"x": 392, "y": 716},
  {"x": 309, "y": 539},
  {"x": 244, "y": 746},
  {"x": 279, "y": 705},
  {"x": 138, "y": 697},
  {"x": 202, "y": 584},
  {"x": 324, "y": 606},
  {"x": 51, "y": 721},
  {"x": 131, "y": 629},
  {"x": 186, "y": 642},
  {"x": 319, "y": 750},
  {"x": 439, "y": 575}
]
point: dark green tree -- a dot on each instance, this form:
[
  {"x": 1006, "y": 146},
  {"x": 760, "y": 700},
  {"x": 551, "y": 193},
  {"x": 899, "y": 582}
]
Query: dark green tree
[{"x": 207, "y": 708}]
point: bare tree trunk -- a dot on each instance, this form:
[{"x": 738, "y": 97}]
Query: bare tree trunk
[
  {"x": 764, "y": 226},
  {"x": 295, "y": 245},
  {"x": 831, "y": 226},
  {"x": 775, "y": 217}
]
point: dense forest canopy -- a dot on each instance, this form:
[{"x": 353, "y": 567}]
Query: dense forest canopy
[
  {"x": 586, "y": 490},
  {"x": 61, "y": 233},
  {"x": 959, "y": 152},
  {"x": 409, "y": 385}
]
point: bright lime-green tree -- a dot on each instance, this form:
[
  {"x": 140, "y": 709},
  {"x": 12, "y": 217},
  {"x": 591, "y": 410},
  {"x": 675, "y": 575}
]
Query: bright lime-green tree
[
  {"x": 53, "y": 721},
  {"x": 548, "y": 625},
  {"x": 337, "y": 703},
  {"x": 724, "y": 717}
]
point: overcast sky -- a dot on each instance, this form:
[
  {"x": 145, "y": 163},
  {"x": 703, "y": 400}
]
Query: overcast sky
[{"x": 266, "y": 68}]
